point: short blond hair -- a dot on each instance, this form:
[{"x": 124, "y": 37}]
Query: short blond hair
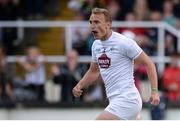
[{"x": 103, "y": 11}]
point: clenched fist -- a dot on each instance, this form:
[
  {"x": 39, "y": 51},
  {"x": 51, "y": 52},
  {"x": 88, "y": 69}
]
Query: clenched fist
[
  {"x": 77, "y": 91},
  {"x": 154, "y": 99}
]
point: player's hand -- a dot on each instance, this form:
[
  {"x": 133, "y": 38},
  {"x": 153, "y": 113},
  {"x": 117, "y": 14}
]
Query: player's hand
[
  {"x": 154, "y": 99},
  {"x": 77, "y": 91},
  {"x": 55, "y": 70}
]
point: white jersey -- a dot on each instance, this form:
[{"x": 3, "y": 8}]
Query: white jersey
[{"x": 115, "y": 59}]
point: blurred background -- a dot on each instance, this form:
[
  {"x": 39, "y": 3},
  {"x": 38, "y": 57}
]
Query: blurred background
[{"x": 45, "y": 49}]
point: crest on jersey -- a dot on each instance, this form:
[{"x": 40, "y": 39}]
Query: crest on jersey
[{"x": 104, "y": 61}]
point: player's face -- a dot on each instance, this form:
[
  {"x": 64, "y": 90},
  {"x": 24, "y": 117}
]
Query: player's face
[{"x": 99, "y": 26}]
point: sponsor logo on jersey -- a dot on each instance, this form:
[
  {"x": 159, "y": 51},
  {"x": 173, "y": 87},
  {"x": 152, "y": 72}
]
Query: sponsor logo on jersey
[{"x": 104, "y": 61}]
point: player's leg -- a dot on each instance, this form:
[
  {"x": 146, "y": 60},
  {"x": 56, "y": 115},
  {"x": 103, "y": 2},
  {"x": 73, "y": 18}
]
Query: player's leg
[{"x": 107, "y": 116}]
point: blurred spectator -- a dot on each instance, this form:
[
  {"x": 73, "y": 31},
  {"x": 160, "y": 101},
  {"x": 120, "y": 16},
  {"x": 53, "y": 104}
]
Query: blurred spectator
[
  {"x": 6, "y": 78},
  {"x": 87, "y": 6},
  {"x": 168, "y": 15},
  {"x": 35, "y": 72},
  {"x": 155, "y": 16},
  {"x": 68, "y": 75},
  {"x": 130, "y": 17},
  {"x": 80, "y": 35},
  {"x": 152, "y": 33},
  {"x": 169, "y": 44},
  {"x": 131, "y": 32},
  {"x": 115, "y": 9},
  {"x": 141, "y": 10},
  {"x": 171, "y": 78},
  {"x": 75, "y": 4}
]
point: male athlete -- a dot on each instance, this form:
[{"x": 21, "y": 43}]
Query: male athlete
[{"x": 113, "y": 57}]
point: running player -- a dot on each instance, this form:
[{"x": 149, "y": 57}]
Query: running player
[{"x": 113, "y": 57}]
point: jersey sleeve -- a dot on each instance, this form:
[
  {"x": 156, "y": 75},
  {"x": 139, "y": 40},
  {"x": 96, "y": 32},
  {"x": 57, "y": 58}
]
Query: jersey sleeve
[
  {"x": 132, "y": 49},
  {"x": 93, "y": 59}
]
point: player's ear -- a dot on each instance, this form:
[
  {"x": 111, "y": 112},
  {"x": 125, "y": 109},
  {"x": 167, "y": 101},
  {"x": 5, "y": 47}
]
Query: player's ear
[{"x": 109, "y": 24}]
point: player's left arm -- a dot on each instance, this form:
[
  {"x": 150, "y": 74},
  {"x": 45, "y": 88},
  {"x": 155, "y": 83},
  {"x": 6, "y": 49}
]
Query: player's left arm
[{"x": 144, "y": 59}]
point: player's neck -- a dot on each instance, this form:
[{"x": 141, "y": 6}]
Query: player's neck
[{"x": 107, "y": 36}]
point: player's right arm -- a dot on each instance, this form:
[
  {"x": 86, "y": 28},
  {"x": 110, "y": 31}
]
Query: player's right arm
[{"x": 91, "y": 75}]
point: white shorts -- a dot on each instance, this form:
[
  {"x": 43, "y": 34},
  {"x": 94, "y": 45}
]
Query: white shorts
[{"x": 125, "y": 107}]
